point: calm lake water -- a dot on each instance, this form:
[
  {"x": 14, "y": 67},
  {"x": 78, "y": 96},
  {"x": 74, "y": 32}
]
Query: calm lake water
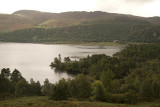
[{"x": 33, "y": 60}]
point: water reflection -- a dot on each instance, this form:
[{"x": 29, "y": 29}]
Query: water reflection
[{"x": 60, "y": 72}]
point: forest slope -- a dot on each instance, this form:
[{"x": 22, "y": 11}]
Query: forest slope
[{"x": 35, "y": 26}]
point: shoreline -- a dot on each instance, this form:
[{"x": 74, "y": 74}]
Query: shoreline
[
  {"x": 74, "y": 43},
  {"x": 81, "y": 43}
]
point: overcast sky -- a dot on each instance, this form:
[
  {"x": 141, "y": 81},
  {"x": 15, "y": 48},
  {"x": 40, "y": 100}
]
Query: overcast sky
[{"x": 145, "y": 8}]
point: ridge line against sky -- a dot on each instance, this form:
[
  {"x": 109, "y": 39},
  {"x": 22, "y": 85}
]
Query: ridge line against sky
[{"x": 145, "y": 8}]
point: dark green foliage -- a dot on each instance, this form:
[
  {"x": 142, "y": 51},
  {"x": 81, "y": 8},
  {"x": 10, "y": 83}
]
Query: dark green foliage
[
  {"x": 84, "y": 64},
  {"x": 13, "y": 85},
  {"x": 146, "y": 89},
  {"x": 5, "y": 72},
  {"x": 34, "y": 87},
  {"x": 144, "y": 79},
  {"x": 98, "y": 91},
  {"x": 156, "y": 87},
  {"x": 16, "y": 76},
  {"x": 141, "y": 52},
  {"x": 9, "y": 80},
  {"x": 129, "y": 75},
  {"x": 46, "y": 88},
  {"x": 67, "y": 59},
  {"x": 107, "y": 80},
  {"x": 22, "y": 87},
  {"x": 117, "y": 98},
  {"x": 80, "y": 87},
  {"x": 5, "y": 85},
  {"x": 131, "y": 97},
  {"x": 96, "y": 64},
  {"x": 92, "y": 31},
  {"x": 60, "y": 90}
]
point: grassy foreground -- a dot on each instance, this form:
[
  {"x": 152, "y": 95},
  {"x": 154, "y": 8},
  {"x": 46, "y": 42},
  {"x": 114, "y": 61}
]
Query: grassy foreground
[{"x": 41, "y": 101}]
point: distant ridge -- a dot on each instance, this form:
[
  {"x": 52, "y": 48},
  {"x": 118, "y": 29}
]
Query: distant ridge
[
  {"x": 23, "y": 19},
  {"x": 97, "y": 25}
]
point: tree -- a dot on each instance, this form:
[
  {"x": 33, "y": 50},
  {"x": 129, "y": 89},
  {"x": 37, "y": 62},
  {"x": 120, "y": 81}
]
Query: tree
[
  {"x": 5, "y": 72},
  {"x": 131, "y": 97},
  {"x": 46, "y": 88},
  {"x": 72, "y": 67},
  {"x": 156, "y": 88},
  {"x": 146, "y": 88},
  {"x": 60, "y": 91},
  {"x": 16, "y": 76},
  {"x": 81, "y": 87},
  {"x": 22, "y": 87},
  {"x": 56, "y": 63},
  {"x": 35, "y": 87},
  {"x": 67, "y": 59},
  {"x": 94, "y": 70},
  {"x": 98, "y": 91},
  {"x": 59, "y": 58},
  {"x": 106, "y": 79},
  {"x": 5, "y": 84}
]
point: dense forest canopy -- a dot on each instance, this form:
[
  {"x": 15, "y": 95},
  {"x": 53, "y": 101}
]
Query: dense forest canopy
[
  {"x": 100, "y": 31},
  {"x": 129, "y": 76}
]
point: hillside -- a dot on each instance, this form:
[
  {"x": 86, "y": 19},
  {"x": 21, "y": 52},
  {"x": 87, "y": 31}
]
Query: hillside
[
  {"x": 36, "y": 16},
  {"x": 70, "y": 18},
  {"x": 35, "y": 26},
  {"x": 14, "y": 22},
  {"x": 154, "y": 20}
]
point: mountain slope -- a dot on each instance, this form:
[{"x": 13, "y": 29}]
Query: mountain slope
[
  {"x": 154, "y": 20},
  {"x": 71, "y": 18},
  {"x": 29, "y": 18},
  {"x": 35, "y": 26},
  {"x": 36, "y": 16},
  {"x": 100, "y": 31},
  {"x": 14, "y": 22}
]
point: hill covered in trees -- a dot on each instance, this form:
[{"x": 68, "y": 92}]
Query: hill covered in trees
[
  {"x": 35, "y": 26},
  {"x": 129, "y": 76}
]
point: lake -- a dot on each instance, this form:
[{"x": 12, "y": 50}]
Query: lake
[{"x": 33, "y": 60}]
